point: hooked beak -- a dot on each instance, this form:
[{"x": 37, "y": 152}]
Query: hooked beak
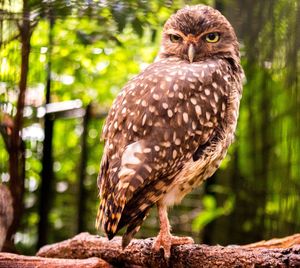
[{"x": 191, "y": 53}]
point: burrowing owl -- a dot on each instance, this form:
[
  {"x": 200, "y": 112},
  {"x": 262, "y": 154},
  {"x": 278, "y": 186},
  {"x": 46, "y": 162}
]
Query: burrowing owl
[{"x": 171, "y": 125}]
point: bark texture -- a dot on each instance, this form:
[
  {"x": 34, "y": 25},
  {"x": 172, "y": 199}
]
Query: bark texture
[
  {"x": 85, "y": 250},
  {"x": 274, "y": 253}
]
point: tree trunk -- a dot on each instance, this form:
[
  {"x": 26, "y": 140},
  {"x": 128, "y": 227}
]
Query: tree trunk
[
  {"x": 16, "y": 145},
  {"x": 47, "y": 180},
  {"x": 81, "y": 202}
]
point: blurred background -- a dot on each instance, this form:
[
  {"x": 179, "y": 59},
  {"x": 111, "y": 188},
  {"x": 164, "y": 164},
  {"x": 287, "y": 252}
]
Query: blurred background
[{"x": 62, "y": 62}]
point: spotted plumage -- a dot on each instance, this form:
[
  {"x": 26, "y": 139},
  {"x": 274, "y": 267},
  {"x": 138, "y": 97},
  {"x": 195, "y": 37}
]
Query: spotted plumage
[{"x": 171, "y": 125}]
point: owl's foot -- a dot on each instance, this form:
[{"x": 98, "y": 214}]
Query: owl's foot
[{"x": 166, "y": 241}]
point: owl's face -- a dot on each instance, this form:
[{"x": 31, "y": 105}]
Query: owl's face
[{"x": 199, "y": 32}]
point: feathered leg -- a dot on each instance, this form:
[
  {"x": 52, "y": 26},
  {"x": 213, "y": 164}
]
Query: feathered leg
[{"x": 164, "y": 238}]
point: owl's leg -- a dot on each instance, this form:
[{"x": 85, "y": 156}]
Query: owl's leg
[{"x": 164, "y": 238}]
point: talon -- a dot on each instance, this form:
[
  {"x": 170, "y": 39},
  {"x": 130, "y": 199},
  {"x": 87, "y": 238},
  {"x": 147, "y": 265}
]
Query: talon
[{"x": 164, "y": 239}]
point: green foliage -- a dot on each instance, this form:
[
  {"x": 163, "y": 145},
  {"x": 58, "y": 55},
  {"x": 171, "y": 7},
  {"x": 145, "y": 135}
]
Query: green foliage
[{"x": 211, "y": 211}]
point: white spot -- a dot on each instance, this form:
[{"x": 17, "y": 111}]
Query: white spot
[
  {"x": 202, "y": 97},
  {"x": 194, "y": 125},
  {"x": 174, "y": 136},
  {"x": 223, "y": 106},
  {"x": 144, "y": 119},
  {"x": 215, "y": 110},
  {"x": 165, "y": 105},
  {"x": 226, "y": 78},
  {"x": 191, "y": 79},
  {"x": 129, "y": 156},
  {"x": 175, "y": 87},
  {"x": 114, "y": 169},
  {"x": 193, "y": 101},
  {"x": 170, "y": 113},
  {"x": 216, "y": 97},
  {"x": 171, "y": 94},
  {"x": 147, "y": 150},
  {"x": 213, "y": 104},
  {"x": 116, "y": 125},
  {"x": 166, "y": 144},
  {"x": 174, "y": 154},
  {"x": 214, "y": 84},
  {"x": 151, "y": 109},
  {"x": 180, "y": 95},
  {"x": 144, "y": 103},
  {"x": 199, "y": 132},
  {"x": 124, "y": 110},
  {"x": 134, "y": 128},
  {"x": 149, "y": 169},
  {"x": 185, "y": 117},
  {"x": 155, "y": 96},
  {"x": 209, "y": 124},
  {"x": 163, "y": 86},
  {"x": 198, "y": 110},
  {"x": 207, "y": 114},
  {"x": 177, "y": 141},
  {"x": 206, "y": 91},
  {"x": 156, "y": 148}
]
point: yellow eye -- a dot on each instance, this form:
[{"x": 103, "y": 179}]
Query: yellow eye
[
  {"x": 175, "y": 38},
  {"x": 212, "y": 37}
]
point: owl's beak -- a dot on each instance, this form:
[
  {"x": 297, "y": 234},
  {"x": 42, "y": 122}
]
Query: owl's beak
[{"x": 191, "y": 53}]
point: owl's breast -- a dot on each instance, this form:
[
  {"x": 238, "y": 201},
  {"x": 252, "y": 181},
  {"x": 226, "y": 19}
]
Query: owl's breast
[{"x": 194, "y": 172}]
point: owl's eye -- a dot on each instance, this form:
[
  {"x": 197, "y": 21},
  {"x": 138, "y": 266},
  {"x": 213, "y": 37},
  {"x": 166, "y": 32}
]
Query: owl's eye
[
  {"x": 175, "y": 38},
  {"x": 212, "y": 37}
]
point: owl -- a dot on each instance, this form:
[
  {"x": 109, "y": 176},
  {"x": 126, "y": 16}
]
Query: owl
[{"x": 170, "y": 126}]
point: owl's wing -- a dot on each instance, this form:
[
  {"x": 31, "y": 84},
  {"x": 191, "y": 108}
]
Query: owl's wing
[{"x": 160, "y": 120}]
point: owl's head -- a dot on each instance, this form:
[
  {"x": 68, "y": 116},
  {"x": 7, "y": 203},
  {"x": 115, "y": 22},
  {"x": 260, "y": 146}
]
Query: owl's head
[{"x": 196, "y": 33}]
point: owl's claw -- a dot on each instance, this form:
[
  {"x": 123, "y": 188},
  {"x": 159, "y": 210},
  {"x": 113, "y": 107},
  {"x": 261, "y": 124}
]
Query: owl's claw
[{"x": 167, "y": 241}]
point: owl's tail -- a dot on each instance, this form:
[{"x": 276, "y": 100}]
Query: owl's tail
[
  {"x": 133, "y": 228},
  {"x": 110, "y": 211}
]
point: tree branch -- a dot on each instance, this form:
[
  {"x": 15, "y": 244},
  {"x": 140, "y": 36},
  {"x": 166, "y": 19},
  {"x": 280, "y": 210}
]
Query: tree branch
[
  {"x": 140, "y": 253},
  {"x": 9, "y": 260}
]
